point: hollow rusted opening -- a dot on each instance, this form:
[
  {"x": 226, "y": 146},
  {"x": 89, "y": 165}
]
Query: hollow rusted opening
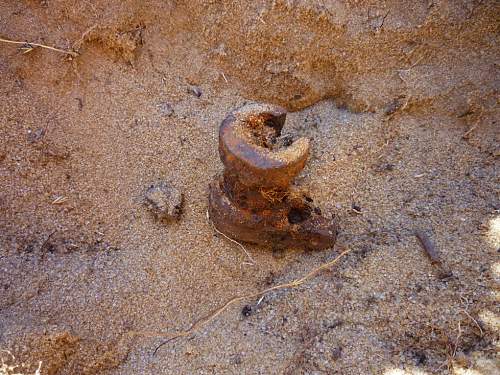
[
  {"x": 298, "y": 215},
  {"x": 276, "y": 122},
  {"x": 265, "y": 129}
]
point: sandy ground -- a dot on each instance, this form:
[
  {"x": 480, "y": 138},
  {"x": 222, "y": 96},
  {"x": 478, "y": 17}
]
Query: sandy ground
[{"x": 90, "y": 282}]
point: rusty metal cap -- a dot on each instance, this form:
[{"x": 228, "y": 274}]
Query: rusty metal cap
[{"x": 248, "y": 149}]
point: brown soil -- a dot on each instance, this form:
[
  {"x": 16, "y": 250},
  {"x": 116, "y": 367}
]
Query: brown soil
[{"x": 400, "y": 100}]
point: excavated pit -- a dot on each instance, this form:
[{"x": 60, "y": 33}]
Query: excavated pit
[{"x": 400, "y": 101}]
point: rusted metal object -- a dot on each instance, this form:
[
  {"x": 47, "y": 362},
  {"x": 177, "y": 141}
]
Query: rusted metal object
[{"x": 254, "y": 200}]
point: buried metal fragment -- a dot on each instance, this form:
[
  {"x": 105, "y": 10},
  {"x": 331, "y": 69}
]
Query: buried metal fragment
[{"x": 254, "y": 199}]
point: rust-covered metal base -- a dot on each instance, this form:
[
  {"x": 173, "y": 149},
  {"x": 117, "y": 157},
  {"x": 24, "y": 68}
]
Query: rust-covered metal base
[
  {"x": 290, "y": 224},
  {"x": 253, "y": 200}
]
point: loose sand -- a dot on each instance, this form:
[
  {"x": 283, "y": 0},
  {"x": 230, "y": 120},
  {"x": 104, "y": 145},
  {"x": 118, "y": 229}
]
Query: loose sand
[{"x": 89, "y": 278}]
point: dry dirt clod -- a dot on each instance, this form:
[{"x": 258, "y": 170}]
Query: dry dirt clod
[
  {"x": 35, "y": 136},
  {"x": 165, "y": 109},
  {"x": 165, "y": 201}
]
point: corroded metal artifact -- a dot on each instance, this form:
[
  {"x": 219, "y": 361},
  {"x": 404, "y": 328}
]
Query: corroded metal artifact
[{"x": 254, "y": 199}]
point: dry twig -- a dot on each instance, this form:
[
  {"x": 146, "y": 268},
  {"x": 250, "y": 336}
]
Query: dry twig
[
  {"x": 433, "y": 255},
  {"x": 29, "y": 46},
  {"x": 47, "y": 241},
  {"x": 60, "y": 200},
  {"x": 473, "y": 127},
  {"x": 457, "y": 340},
  {"x": 429, "y": 247}
]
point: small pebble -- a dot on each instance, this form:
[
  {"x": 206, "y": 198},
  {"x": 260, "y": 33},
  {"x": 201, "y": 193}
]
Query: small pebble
[
  {"x": 356, "y": 208},
  {"x": 336, "y": 353},
  {"x": 195, "y": 90},
  {"x": 246, "y": 311},
  {"x": 384, "y": 167},
  {"x": 336, "y": 323},
  {"x": 284, "y": 141},
  {"x": 165, "y": 109}
]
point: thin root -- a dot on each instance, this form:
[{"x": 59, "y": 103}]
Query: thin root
[
  {"x": 474, "y": 320},
  {"x": 230, "y": 239},
  {"x": 274, "y": 195},
  {"x": 200, "y": 323}
]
